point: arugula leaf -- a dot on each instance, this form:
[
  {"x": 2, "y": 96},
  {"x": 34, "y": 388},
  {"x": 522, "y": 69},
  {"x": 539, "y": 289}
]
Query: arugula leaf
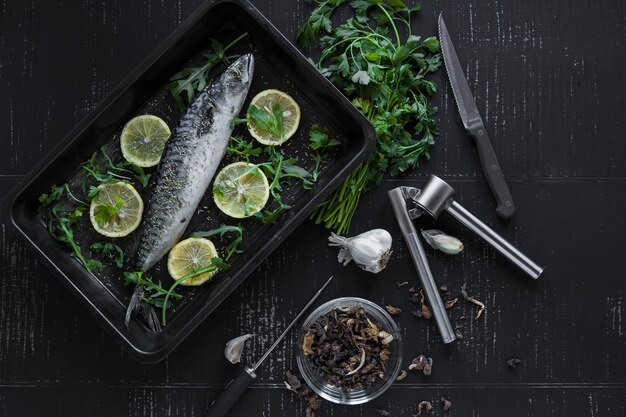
[
  {"x": 187, "y": 82},
  {"x": 233, "y": 246},
  {"x": 240, "y": 147},
  {"x": 216, "y": 264},
  {"x": 156, "y": 293},
  {"x": 110, "y": 250}
]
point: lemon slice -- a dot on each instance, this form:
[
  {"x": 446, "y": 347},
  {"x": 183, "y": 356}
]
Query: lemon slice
[
  {"x": 266, "y": 100},
  {"x": 190, "y": 255},
  {"x": 116, "y": 210},
  {"x": 240, "y": 190},
  {"x": 143, "y": 140}
]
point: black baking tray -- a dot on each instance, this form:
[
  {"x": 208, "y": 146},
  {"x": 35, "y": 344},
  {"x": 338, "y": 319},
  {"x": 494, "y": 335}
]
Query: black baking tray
[{"x": 278, "y": 65}]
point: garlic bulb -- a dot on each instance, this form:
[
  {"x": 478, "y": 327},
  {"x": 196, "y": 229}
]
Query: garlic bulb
[
  {"x": 234, "y": 347},
  {"x": 439, "y": 240},
  {"x": 370, "y": 250}
]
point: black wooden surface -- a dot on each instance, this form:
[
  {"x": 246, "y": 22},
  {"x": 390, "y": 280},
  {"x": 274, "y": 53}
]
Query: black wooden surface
[{"x": 548, "y": 78}]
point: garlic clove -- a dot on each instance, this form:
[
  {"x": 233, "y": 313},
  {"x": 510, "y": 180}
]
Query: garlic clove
[
  {"x": 234, "y": 347},
  {"x": 370, "y": 250},
  {"x": 439, "y": 240}
]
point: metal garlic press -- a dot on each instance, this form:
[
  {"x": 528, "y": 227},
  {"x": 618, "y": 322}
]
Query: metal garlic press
[{"x": 434, "y": 198}]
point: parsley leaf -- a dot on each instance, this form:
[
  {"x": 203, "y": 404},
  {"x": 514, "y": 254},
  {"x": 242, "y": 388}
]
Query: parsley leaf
[
  {"x": 320, "y": 140},
  {"x": 104, "y": 212}
]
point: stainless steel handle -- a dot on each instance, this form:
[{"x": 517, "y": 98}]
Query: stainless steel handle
[
  {"x": 421, "y": 264},
  {"x": 500, "y": 244}
]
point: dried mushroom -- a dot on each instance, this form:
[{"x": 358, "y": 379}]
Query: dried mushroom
[
  {"x": 513, "y": 363},
  {"x": 425, "y": 407},
  {"x": 472, "y": 300},
  {"x": 313, "y": 402},
  {"x": 393, "y": 310},
  {"x": 307, "y": 342},
  {"x": 451, "y": 303},
  {"x": 422, "y": 363},
  {"x": 446, "y": 404}
]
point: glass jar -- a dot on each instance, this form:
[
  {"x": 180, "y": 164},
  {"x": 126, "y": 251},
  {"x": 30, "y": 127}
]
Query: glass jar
[{"x": 338, "y": 395}]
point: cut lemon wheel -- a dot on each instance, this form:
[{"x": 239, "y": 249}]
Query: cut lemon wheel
[
  {"x": 191, "y": 255},
  {"x": 143, "y": 140},
  {"x": 266, "y": 100},
  {"x": 116, "y": 210},
  {"x": 240, "y": 190}
]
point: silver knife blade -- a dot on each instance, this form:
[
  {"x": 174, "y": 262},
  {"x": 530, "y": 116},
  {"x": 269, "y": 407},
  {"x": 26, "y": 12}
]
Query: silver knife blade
[{"x": 460, "y": 88}]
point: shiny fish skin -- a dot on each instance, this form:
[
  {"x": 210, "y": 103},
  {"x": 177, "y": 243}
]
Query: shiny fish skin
[{"x": 190, "y": 160}]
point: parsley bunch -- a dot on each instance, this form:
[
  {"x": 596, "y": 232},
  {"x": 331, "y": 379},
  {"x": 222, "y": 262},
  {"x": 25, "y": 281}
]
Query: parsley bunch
[{"x": 384, "y": 76}]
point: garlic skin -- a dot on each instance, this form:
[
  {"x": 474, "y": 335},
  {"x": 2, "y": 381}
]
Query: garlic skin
[
  {"x": 234, "y": 347},
  {"x": 370, "y": 250},
  {"x": 439, "y": 240}
]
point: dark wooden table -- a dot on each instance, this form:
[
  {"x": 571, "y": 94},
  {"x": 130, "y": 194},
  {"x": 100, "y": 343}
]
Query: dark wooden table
[{"x": 549, "y": 76}]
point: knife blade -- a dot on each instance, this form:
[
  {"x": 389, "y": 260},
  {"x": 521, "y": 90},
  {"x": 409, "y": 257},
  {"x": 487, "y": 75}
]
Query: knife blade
[{"x": 474, "y": 125}]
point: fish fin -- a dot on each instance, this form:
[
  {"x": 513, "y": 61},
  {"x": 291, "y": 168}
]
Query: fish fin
[{"x": 143, "y": 310}]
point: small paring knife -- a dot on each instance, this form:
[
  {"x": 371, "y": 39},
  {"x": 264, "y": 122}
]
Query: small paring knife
[{"x": 474, "y": 125}]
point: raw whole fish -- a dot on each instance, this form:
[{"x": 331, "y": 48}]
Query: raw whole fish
[{"x": 190, "y": 160}]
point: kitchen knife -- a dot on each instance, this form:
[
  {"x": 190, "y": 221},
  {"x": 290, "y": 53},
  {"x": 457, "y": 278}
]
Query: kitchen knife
[{"x": 474, "y": 126}]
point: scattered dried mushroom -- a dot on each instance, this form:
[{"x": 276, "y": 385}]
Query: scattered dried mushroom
[
  {"x": 402, "y": 375},
  {"x": 457, "y": 332},
  {"x": 347, "y": 348},
  {"x": 513, "y": 363},
  {"x": 424, "y": 406},
  {"x": 402, "y": 284},
  {"x": 313, "y": 402},
  {"x": 472, "y": 300},
  {"x": 422, "y": 363},
  {"x": 451, "y": 303},
  {"x": 394, "y": 311},
  {"x": 446, "y": 404}
]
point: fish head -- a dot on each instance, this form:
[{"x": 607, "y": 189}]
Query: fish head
[{"x": 236, "y": 82}]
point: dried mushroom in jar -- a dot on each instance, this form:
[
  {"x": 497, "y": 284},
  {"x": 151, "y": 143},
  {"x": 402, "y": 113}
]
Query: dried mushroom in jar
[{"x": 347, "y": 348}]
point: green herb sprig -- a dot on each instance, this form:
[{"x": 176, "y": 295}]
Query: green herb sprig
[
  {"x": 242, "y": 148},
  {"x": 384, "y": 75},
  {"x": 61, "y": 210},
  {"x": 269, "y": 121},
  {"x": 157, "y": 295},
  {"x": 191, "y": 80},
  {"x": 233, "y": 247},
  {"x": 216, "y": 264},
  {"x": 109, "y": 250}
]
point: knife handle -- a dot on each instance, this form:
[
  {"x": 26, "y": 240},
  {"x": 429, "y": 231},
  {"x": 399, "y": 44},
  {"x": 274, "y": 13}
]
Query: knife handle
[{"x": 491, "y": 169}]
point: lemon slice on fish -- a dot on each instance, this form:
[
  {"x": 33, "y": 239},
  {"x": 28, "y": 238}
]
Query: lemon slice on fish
[
  {"x": 190, "y": 255},
  {"x": 116, "y": 210},
  {"x": 241, "y": 190},
  {"x": 143, "y": 140},
  {"x": 268, "y": 101}
]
